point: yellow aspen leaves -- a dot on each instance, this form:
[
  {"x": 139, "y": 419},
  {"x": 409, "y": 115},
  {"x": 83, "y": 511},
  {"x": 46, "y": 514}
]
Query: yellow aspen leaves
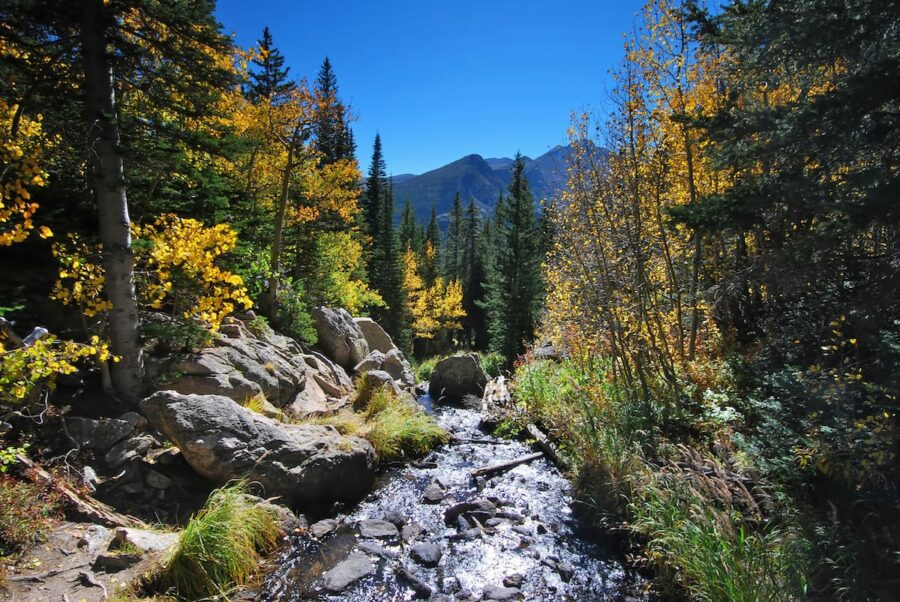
[{"x": 434, "y": 308}]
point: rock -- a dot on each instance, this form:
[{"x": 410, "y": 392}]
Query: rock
[
  {"x": 433, "y": 494},
  {"x": 113, "y": 563},
  {"x": 157, "y": 480},
  {"x": 396, "y": 365},
  {"x": 373, "y": 361},
  {"x": 290, "y": 522},
  {"x": 264, "y": 407},
  {"x": 450, "y": 585},
  {"x": 97, "y": 434},
  {"x": 94, "y": 538},
  {"x": 421, "y": 589},
  {"x": 353, "y": 568},
  {"x": 566, "y": 571},
  {"x": 371, "y": 382},
  {"x": 484, "y": 508},
  {"x": 514, "y": 580},
  {"x": 376, "y": 337},
  {"x": 89, "y": 478},
  {"x": 395, "y": 516},
  {"x": 377, "y": 529},
  {"x": 548, "y": 352},
  {"x": 471, "y": 402},
  {"x": 426, "y": 553},
  {"x": 496, "y": 592},
  {"x": 128, "y": 450},
  {"x": 144, "y": 540},
  {"x": 456, "y": 376},
  {"x": 411, "y": 532},
  {"x": 376, "y": 549},
  {"x": 339, "y": 336},
  {"x": 301, "y": 464},
  {"x": 322, "y": 528}
]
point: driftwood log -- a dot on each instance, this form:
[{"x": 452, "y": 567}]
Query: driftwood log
[{"x": 504, "y": 466}]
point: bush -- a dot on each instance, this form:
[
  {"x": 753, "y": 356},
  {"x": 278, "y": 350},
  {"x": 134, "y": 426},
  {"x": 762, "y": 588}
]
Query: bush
[
  {"x": 426, "y": 367},
  {"x": 27, "y": 512},
  {"x": 220, "y": 547},
  {"x": 492, "y": 364}
]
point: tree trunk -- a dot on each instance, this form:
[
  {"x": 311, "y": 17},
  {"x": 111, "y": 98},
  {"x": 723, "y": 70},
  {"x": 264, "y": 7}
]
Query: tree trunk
[
  {"x": 270, "y": 301},
  {"x": 108, "y": 182}
]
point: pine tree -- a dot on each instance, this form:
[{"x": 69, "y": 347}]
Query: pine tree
[
  {"x": 513, "y": 275},
  {"x": 454, "y": 244},
  {"x": 376, "y": 189},
  {"x": 472, "y": 275},
  {"x": 270, "y": 79},
  {"x": 432, "y": 260},
  {"x": 410, "y": 231},
  {"x": 387, "y": 270},
  {"x": 334, "y": 139}
]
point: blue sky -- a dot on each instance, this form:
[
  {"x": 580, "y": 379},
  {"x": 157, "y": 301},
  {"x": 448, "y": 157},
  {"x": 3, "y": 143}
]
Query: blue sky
[{"x": 440, "y": 80}]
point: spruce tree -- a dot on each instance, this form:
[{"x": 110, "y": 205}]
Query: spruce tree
[
  {"x": 410, "y": 232},
  {"x": 334, "y": 139},
  {"x": 471, "y": 275},
  {"x": 454, "y": 245},
  {"x": 376, "y": 189},
  {"x": 513, "y": 277},
  {"x": 387, "y": 270},
  {"x": 270, "y": 78},
  {"x": 432, "y": 241}
]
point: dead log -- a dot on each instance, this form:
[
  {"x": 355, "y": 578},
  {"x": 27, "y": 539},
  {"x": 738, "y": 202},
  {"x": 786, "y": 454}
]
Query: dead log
[
  {"x": 461, "y": 440},
  {"x": 504, "y": 466},
  {"x": 79, "y": 505},
  {"x": 546, "y": 445}
]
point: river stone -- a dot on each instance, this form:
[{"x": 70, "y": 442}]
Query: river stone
[
  {"x": 339, "y": 336},
  {"x": 496, "y": 592},
  {"x": 353, "y": 568},
  {"x": 426, "y": 553},
  {"x": 377, "y": 529},
  {"x": 302, "y": 464},
  {"x": 433, "y": 494},
  {"x": 143, "y": 539},
  {"x": 323, "y": 527},
  {"x": 514, "y": 580},
  {"x": 456, "y": 376},
  {"x": 376, "y": 337},
  {"x": 411, "y": 531}
]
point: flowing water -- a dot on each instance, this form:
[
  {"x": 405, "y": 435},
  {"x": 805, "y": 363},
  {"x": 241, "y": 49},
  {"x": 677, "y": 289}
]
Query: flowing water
[{"x": 518, "y": 527}]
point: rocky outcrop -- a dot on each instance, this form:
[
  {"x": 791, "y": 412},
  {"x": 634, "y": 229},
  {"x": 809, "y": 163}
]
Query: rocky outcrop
[
  {"x": 304, "y": 465},
  {"x": 393, "y": 363},
  {"x": 457, "y": 376},
  {"x": 339, "y": 336},
  {"x": 376, "y": 337},
  {"x": 242, "y": 364}
]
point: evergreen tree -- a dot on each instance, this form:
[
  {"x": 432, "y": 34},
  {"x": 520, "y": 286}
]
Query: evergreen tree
[
  {"x": 513, "y": 276},
  {"x": 432, "y": 249},
  {"x": 410, "y": 231},
  {"x": 334, "y": 139},
  {"x": 270, "y": 79},
  {"x": 454, "y": 244},
  {"x": 472, "y": 275},
  {"x": 376, "y": 190},
  {"x": 387, "y": 270}
]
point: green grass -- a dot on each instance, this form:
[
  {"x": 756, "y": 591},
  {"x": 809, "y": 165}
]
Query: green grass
[
  {"x": 220, "y": 548},
  {"x": 424, "y": 368},
  {"x": 397, "y": 428}
]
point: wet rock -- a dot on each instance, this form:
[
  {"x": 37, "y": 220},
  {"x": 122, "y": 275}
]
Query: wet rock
[
  {"x": 97, "y": 434},
  {"x": 450, "y": 585},
  {"x": 566, "y": 571},
  {"x": 493, "y": 522},
  {"x": 462, "y": 524},
  {"x": 289, "y": 522},
  {"x": 421, "y": 589},
  {"x": 353, "y": 568},
  {"x": 302, "y": 464},
  {"x": 496, "y": 592},
  {"x": 480, "y": 483},
  {"x": 339, "y": 336},
  {"x": 457, "y": 376},
  {"x": 377, "y": 529},
  {"x": 426, "y": 553},
  {"x": 514, "y": 580},
  {"x": 522, "y": 529},
  {"x": 376, "y": 337},
  {"x": 482, "y": 506},
  {"x": 411, "y": 532},
  {"x": 376, "y": 549},
  {"x": 439, "y": 598},
  {"x": 433, "y": 494},
  {"x": 395, "y": 516},
  {"x": 143, "y": 539},
  {"x": 322, "y": 528}
]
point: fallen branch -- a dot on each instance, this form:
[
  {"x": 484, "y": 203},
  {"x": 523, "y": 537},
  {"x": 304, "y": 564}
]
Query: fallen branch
[
  {"x": 504, "y": 466},
  {"x": 84, "y": 507},
  {"x": 462, "y": 440},
  {"x": 546, "y": 446}
]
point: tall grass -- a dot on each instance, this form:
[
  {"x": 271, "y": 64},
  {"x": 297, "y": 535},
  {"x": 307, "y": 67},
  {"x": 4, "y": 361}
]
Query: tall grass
[
  {"x": 697, "y": 537},
  {"x": 221, "y": 546}
]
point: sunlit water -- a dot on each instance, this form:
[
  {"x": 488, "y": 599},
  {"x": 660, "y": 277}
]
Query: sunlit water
[{"x": 541, "y": 526}]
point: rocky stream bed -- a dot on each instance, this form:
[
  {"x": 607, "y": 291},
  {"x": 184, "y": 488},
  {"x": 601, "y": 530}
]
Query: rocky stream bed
[{"x": 430, "y": 530}]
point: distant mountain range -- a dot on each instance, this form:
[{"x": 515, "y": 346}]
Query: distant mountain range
[{"x": 480, "y": 179}]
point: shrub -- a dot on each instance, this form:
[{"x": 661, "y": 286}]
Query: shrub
[
  {"x": 220, "y": 547},
  {"x": 27, "y": 512},
  {"x": 426, "y": 367},
  {"x": 492, "y": 364}
]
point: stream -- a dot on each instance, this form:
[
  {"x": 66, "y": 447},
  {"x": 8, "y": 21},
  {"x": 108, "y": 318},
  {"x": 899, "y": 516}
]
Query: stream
[{"x": 510, "y": 536}]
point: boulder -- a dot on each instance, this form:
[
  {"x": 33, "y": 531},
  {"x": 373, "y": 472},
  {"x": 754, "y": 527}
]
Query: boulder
[
  {"x": 353, "y": 568},
  {"x": 426, "y": 553},
  {"x": 396, "y": 365},
  {"x": 456, "y": 376},
  {"x": 339, "y": 336},
  {"x": 302, "y": 464},
  {"x": 378, "y": 529},
  {"x": 97, "y": 434},
  {"x": 373, "y": 361},
  {"x": 144, "y": 540},
  {"x": 375, "y": 335}
]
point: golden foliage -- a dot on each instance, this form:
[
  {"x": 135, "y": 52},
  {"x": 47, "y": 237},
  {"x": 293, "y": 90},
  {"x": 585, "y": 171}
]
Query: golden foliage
[{"x": 432, "y": 308}]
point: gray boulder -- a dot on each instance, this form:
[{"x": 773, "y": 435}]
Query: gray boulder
[
  {"x": 98, "y": 434},
  {"x": 375, "y": 335},
  {"x": 301, "y": 464},
  {"x": 353, "y": 568},
  {"x": 396, "y": 365},
  {"x": 457, "y": 376},
  {"x": 339, "y": 336},
  {"x": 373, "y": 361}
]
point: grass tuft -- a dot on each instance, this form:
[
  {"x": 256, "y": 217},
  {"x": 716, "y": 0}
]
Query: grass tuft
[{"x": 221, "y": 546}]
